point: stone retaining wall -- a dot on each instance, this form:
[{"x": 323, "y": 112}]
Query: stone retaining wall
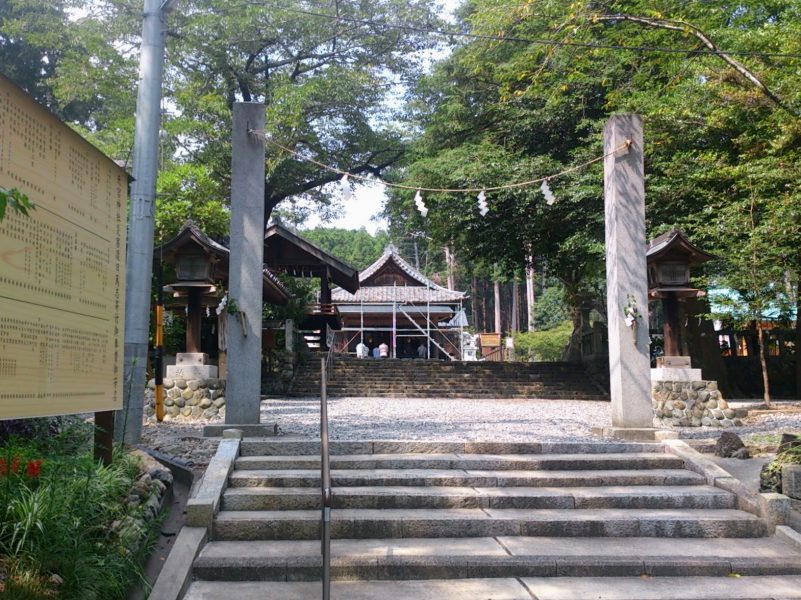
[
  {"x": 690, "y": 404},
  {"x": 192, "y": 400}
]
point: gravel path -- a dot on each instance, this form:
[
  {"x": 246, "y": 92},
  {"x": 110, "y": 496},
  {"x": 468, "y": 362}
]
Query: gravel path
[{"x": 440, "y": 419}]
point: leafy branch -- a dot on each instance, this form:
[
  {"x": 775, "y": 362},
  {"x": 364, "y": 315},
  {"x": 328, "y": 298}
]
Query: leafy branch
[{"x": 16, "y": 200}]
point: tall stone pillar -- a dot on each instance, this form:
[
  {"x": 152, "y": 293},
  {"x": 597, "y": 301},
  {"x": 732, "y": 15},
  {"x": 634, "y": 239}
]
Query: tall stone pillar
[
  {"x": 626, "y": 274},
  {"x": 243, "y": 385}
]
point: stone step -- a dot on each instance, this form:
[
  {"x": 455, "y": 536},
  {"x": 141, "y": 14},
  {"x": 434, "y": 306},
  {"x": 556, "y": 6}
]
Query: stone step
[
  {"x": 541, "y": 462},
  {"x": 559, "y": 588},
  {"x": 466, "y": 497},
  {"x": 461, "y": 478},
  {"x": 305, "y": 446},
  {"x": 420, "y": 523}
]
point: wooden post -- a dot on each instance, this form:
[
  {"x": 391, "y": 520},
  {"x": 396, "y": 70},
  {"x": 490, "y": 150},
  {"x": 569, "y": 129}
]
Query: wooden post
[
  {"x": 104, "y": 437},
  {"x": 194, "y": 314},
  {"x": 670, "y": 327}
]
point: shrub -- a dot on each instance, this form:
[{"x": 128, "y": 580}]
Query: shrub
[
  {"x": 60, "y": 516},
  {"x": 547, "y": 345}
]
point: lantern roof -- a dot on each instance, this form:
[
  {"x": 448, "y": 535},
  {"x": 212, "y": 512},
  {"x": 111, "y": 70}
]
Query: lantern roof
[{"x": 674, "y": 246}]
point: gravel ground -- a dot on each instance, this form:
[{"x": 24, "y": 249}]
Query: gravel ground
[
  {"x": 440, "y": 419},
  {"x": 443, "y": 419}
]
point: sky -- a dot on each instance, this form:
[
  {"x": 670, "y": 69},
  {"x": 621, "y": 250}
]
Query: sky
[{"x": 363, "y": 208}]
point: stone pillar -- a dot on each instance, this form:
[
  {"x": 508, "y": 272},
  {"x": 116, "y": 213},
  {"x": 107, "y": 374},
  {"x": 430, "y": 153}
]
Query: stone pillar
[
  {"x": 626, "y": 275},
  {"x": 243, "y": 386}
]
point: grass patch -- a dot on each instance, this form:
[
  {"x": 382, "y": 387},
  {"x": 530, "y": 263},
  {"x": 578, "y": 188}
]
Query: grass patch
[
  {"x": 67, "y": 530},
  {"x": 770, "y": 478}
]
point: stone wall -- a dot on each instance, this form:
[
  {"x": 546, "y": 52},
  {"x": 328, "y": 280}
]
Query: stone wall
[
  {"x": 188, "y": 400},
  {"x": 690, "y": 404}
]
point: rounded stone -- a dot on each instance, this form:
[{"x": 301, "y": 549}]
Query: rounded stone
[
  {"x": 729, "y": 413},
  {"x": 180, "y": 402},
  {"x": 173, "y": 411},
  {"x": 712, "y": 404},
  {"x": 703, "y": 396},
  {"x": 219, "y": 402},
  {"x": 717, "y": 413},
  {"x": 180, "y": 383},
  {"x": 186, "y": 411},
  {"x": 198, "y": 395},
  {"x": 698, "y": 385},
  {"x": 187, "y": 394},
  {"x": 679, "y": 404},
  {"x": 210, "y": 413},
  {"x": 678, "y": 414},
  {"x": 173, "y": 392},
  {"x": 151, "y": 385},
  {"x": 193, "y": 384},
  {"x": 168, "y": 383},
  {"x": 726, "y": 423},
  {"x": 168, "y": 401},
  {"x": 214, "y": 384},
  {"x": 215, "y": 393},
  {"x": 712, "y": 386},
  {"x": 723, "y": 404},
  {"x": 715, "y": 395},
  {"x": 196, "y": 412},
  {"x": 192, "y": 401},
  {"x": 677, "y": 387},
  {"x": 695, "y": 421},
  {"x": 205, "y": 403},
  {"x": 706, "y": 421},
  {"x": 668, "y": 406}
]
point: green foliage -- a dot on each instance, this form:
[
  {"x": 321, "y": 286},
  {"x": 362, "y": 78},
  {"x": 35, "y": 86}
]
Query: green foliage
[
  {"x": 60, "y": 513},
  {"x": 357, "y": 248},
  {"x": 190, "y": 191},
  {"x": 301, "y": 296},
  {"x": 546, "y": 345},
  {"x": 550, "y": 308},
  {"x": 14, "y": 199}
]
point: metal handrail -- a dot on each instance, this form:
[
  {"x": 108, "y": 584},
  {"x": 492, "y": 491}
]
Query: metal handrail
[{"x": 325, "y": 474}]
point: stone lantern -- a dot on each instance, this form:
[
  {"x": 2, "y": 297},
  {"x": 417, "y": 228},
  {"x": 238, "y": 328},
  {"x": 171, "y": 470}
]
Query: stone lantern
[{"x": 669, "y": 259}]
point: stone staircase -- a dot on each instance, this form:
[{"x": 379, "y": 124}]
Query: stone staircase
[
  {"x": 408, "y": 378},
  {"x": 474, "y": 521}
]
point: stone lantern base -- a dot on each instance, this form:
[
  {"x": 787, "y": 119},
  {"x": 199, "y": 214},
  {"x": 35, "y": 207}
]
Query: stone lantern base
[{"x": 681, "y": 398}]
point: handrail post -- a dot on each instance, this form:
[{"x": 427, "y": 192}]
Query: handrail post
[{"x": 325, "y": 480}]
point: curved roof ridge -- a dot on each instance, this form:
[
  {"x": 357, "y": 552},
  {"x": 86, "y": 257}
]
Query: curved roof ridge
[{"x": 391, "y": 253}]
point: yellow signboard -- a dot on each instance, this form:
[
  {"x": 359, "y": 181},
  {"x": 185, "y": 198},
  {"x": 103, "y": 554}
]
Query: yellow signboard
[{"x": 61, "y": 268}]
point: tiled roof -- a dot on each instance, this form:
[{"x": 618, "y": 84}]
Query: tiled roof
[
  {"x": 391, "y": 254},
  {"x": 399, "y": 293}
]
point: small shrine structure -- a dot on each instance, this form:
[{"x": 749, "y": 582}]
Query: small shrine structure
[{"x": 399, "y": 306}]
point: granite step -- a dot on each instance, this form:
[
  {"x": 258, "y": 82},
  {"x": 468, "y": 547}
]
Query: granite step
[
  {"x": 567, "y": 588},
  {"x": 540, "y": 462},
  {"x": 461, "y": 478},
  {"x": 305, "y": 498},
  {"x": 418, "y": 523},
  {"x": 293, "y": 446}
]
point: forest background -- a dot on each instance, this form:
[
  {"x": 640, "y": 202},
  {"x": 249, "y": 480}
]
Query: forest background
[{"x": 521, "y": 90}]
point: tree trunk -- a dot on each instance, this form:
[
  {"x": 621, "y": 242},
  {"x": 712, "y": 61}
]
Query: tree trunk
[
  {"x": 515, "y": 326},
  {"x": 474, "y": 302},
  {"x": 497, "y": 289},
  {"x": 450, "y": 261},
  {"x": 764, "y": 363},
  {"x": 530, "y": 293},
  {"x": 798, "y": 338}
]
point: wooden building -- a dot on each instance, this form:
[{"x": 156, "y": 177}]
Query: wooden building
[{"x": 399, "y": 306}]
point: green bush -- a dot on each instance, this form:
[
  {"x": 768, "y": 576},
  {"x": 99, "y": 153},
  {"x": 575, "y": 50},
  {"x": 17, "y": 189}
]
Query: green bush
[
  {"x": 66, "y": 528},
  {"x": 547, "y": 345}
]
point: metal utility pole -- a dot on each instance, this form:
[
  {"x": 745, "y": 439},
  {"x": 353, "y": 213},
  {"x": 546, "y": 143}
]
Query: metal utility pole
[{"x": 141, "y": 219}]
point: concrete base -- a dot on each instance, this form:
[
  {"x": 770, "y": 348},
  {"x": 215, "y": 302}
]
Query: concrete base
[
  {"x": 249, "y": 429},
  {"x": 635, "y": 434},
  {"x": 191, "y": 358},
  {"x": 675, "y": 374},
  {"x": 185, "y": 371}
]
